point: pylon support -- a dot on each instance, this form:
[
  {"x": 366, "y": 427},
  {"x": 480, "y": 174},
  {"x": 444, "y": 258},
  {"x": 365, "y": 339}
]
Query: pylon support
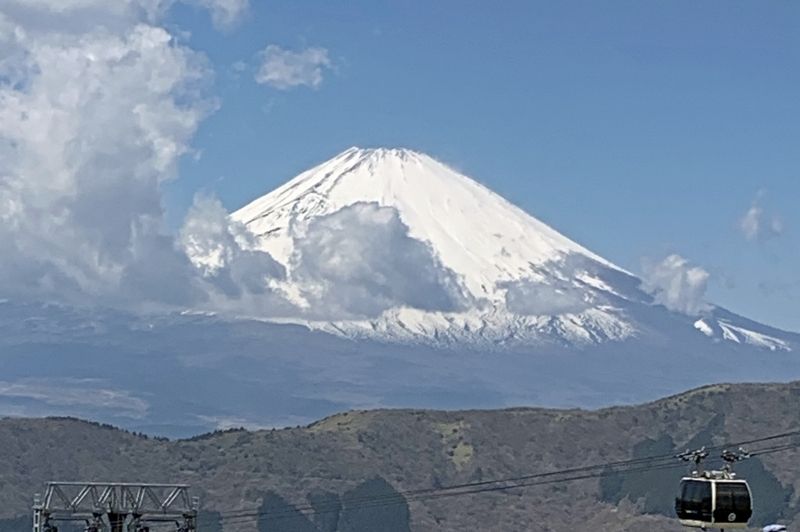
[{"x": 115, "y": 506}]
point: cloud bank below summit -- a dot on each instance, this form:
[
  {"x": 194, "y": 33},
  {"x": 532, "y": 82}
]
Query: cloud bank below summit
[
  {"x": 354, "y": 263},
  {"x": 361, "y": 260}
]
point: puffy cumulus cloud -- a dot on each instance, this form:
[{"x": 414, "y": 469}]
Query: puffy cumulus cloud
[
  {"x": 75, "y": 16},
  {"x": 97, "y": 105},
  {"x": 756, "y": 224},
  {"x": 90, "y": 125},
  {"x": 676, "y": 284},
  {"x": 533, "y": 298},
  {"x": 83, "y": 15},
  {"x": 226, "y": 253},
  {"x": 286, "y": 69},
  {"x": 361, "y": 260}
]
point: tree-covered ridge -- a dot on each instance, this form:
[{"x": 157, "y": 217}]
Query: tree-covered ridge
[{"x": 314, "y": 476}]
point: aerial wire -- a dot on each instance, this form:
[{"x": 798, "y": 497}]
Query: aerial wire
[{"x": 624, "y": 467}]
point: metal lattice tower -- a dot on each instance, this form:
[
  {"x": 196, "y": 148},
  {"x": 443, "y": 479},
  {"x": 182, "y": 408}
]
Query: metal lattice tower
[{"x": 115, "y": 507}]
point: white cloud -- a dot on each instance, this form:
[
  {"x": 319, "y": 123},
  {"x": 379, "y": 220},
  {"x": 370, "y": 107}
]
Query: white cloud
[
  {"x": 90, "y": 125},
  {"x": 83, "y": 15},
  {"x": 353, "y": 263},
  {"x": 63, "y": 15},
  {"x": 360, "y": 261},
  {"x": 97, "y": 105},
  {"x": 756, "y": 224},
  {"x": 226, "y": 253},
  {"x": 286, "y": 69},
  {"x": 751, "y": 222},
  {"x": 677, "y": 285}
]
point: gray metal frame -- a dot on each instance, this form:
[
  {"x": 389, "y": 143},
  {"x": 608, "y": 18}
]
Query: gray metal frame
[{"x": 115, "y": 506}]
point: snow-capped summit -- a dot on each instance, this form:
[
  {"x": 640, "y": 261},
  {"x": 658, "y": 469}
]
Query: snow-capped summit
[
  {"x": 526, "y": 283},
  {"x": 475, "y": 232}
]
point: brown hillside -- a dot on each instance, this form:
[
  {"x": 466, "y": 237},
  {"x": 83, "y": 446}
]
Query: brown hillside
[{"x": 238, "y": 470}]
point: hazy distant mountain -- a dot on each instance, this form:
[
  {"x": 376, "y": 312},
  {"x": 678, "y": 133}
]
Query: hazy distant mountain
[{"x": 406, "y": 284}]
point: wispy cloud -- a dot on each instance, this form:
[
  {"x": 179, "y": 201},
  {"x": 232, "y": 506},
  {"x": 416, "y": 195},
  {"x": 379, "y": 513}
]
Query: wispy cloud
[
  {"x": 677, "y": 284},
  {"x": 224, "y": 13},
  {"x": 286, "y": 69},
  {"x": 80, "y": 394},
  {"x": 757, "y": 224}
]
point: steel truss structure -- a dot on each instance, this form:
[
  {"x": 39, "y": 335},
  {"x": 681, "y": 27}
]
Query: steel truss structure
[{"x": 116, "y": 507}]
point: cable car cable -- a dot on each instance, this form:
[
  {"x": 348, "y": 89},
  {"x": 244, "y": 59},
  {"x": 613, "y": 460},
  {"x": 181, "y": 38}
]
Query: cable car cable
[
  {"x": 649, "y": 459},
  {"x": 449, "y": 491},
  {"x": 667, "y": 458},
  {"x": 395, "y": 499},
  {"x": 624, "y": 467}
]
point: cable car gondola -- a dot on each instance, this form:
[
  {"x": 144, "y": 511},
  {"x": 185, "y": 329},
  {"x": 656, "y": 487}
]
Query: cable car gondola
[
  {"x": 714, "y": 499},
  {"x": 714, "y": 503}
]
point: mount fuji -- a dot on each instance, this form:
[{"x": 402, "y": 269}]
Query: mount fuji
[
  {"x": 520, "y": 282},
  {"x": 400, "y": 283}
]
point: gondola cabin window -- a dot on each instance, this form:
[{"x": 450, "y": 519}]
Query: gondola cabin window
[
  {"x": 733, "y": 503},
  {"x": 695, "y": 501}
]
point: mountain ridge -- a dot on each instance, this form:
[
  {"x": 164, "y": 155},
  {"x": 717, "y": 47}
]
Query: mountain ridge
[{"x": 235, "y": 471}]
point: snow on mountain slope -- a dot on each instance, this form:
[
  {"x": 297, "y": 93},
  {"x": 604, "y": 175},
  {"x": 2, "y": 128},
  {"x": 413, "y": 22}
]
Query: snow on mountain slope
[
  {"x": 722, "y": 329},
  {"x": 568, "y": 328},
  {"x": 527, "y": 283},
  {"x": 475, "y": 232}
]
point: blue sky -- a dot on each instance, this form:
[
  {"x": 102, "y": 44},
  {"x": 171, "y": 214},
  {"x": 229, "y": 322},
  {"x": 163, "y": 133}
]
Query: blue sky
[{"x": 637, "y": 128}]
